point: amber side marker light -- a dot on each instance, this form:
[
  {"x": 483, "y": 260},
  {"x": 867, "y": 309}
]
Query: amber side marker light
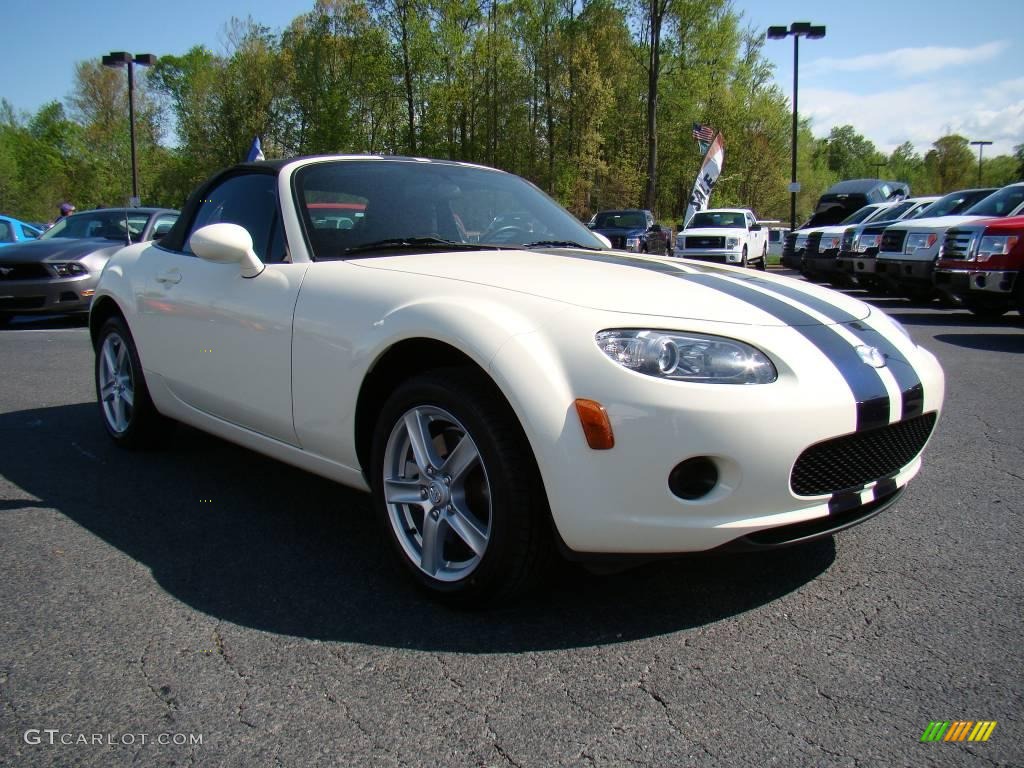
[{"x": 594, "y": 420}]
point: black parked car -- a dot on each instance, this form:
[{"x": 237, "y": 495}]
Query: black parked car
[{"x": 633, "y": 229}]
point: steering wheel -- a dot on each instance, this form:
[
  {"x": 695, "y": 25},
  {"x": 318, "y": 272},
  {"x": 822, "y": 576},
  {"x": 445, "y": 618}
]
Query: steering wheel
[{"x": 506, "y": 234}]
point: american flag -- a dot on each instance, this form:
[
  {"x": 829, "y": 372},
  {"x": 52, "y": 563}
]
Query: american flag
[{"x": 703, "y": 132}]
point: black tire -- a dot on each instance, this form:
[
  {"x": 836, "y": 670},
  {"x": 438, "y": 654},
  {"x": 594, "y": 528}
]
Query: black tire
[
  {"x": 142, "y": 426},
  {"x": 743, "y": 261},
  {"x": 923, "y": 294},
  {"x": 763, "y": 263},
  {"x": 5, "y": 320},
  {"x": 502, "y": 494},
  {"x": 985, "y": 309}
]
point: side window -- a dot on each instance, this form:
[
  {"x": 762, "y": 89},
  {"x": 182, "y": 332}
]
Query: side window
[
  {"x": 249, "y": 201},
  {"x": 6, "y": 232},
  {"x": 30, "y": 233},
  {"x": 163, "y": 225}
]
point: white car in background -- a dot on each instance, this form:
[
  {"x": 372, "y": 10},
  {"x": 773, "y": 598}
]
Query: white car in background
[
  {"x": 725, "y": 236},
  {"x": 511, "y": 392}
]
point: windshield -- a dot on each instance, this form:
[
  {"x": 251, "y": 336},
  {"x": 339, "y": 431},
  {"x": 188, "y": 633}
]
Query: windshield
[
  {"x": 104, "y": 223},
  {"x": 733, "y": 219},
  {"x": 349, "y": 206},
  {"x": 619, "y": 220},
  {"x": 864, "y": 214},
  {"x": 953, "y": 203},
  {"x": 894, "y": 212},
  {"x": 1001, "y": 203}
]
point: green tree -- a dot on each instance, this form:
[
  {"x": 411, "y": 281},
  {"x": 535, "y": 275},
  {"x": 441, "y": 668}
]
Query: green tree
[{"x": 950, "y": 164}]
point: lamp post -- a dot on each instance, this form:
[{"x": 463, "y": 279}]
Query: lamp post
[
  {"x": 796, "y": 29},
  {"x": 980, "y": 145},
  {"x": 879, "y": 165},
  {"x": 123, "y": 59}
]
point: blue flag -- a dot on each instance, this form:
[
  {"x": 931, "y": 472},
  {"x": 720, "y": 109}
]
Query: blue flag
[{"x": 255, "y": 151}]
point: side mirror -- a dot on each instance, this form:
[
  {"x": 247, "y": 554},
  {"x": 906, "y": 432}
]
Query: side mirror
[
  {"x": 755, "y": 227},
  {"x": 227, "y": 244}
]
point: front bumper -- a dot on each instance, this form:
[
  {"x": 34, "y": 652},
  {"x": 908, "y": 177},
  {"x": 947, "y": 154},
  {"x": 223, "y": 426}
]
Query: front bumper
[
  {"x": 47, "y": 296},
  {"x": 619, "y": 501},
  {"x": 856, "y": 263},
  {"x": 905, "y": 271},
  {"x": 716, "y": 256},
  {"x": 822, "y": 263},
  {"x": 960, "y": 282}
]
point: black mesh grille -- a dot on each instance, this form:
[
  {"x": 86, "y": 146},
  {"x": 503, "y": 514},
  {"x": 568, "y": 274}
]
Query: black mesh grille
[
  {"x": 698, "y": 241},
  {"x": 18, "y": 302},
  {"x": 28, "y": 271},
  {"x": 851, "y": 461},
  {"x": 892, "y": 240},
  {"x": 813, "y": 241},
  {"x": 617, "y": 241}
]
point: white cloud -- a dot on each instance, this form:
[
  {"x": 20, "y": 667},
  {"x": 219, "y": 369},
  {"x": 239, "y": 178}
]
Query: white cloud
[
  {"x": 904, "y": 62},
  {"x": 922, "y": 113}
]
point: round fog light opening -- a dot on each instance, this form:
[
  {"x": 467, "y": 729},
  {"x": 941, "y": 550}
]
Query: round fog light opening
[{"x": 694, "y": 478}]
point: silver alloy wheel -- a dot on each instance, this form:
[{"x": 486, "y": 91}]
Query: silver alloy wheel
[
  {"x": 437, "y": 493},
  {"x": 117, "y": 383}
]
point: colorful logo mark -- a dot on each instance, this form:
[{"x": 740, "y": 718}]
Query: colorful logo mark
[{"x": 958, "y": 730}]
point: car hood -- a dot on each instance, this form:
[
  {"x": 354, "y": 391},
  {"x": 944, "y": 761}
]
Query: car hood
[
  {"x": 58, "y": 249},
  {"x": 607, "y": 281},
  {"x": 935, "y": 224},
  {"x": 713, "y": 232}
]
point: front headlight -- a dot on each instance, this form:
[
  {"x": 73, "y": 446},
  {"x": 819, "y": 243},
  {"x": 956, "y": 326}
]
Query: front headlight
[
  {"x": 993, "y": 245},
  {"x": 801, "y": 241},
  {"x": 866, "y": 241},
  {"x": 69, "y": 269},
  {"x": 633, "y": 243},
  {"x": 833, "y": 242},
  {"x": 921, "y": 239},
  {"x": 687, "y": 357},
  {"x": 732, "y": 242}
]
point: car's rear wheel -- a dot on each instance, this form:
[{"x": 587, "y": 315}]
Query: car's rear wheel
[
  {"x": 458, "y": 489},
  {"x": 126, "y": 408}
]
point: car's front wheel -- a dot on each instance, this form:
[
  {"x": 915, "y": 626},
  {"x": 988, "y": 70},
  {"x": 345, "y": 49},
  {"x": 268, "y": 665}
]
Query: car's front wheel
[
  {"x": 458, "y": 489},
  {"x": 128, "y": 413}
]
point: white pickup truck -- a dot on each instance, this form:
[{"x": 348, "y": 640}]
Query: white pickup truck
[{"x": 726, "y": 236}]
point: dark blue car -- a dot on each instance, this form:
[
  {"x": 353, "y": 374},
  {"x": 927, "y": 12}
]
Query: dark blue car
[{"x": 633, "y": 229}]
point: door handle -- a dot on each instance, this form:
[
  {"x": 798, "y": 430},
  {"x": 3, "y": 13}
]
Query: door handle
[{"x": 173, "y": 277}]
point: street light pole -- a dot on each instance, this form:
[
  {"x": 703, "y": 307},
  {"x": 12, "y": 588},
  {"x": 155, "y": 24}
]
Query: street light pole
[
  {"x": 796, "y": 29},
  {"x": 119, "y": 59},
  {"x": 980, "y": 145}
]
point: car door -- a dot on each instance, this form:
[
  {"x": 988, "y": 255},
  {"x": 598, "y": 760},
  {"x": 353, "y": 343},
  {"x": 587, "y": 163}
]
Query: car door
[{"x": 222, "y": 342}]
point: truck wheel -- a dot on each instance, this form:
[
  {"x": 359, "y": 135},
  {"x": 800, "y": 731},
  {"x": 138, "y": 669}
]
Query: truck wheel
[
  {"x": 743, "y": 261},
  {"x": 457, "y": 489},
  {"x": 987, "y": 309},
  {"x": 763, "y": 263}
]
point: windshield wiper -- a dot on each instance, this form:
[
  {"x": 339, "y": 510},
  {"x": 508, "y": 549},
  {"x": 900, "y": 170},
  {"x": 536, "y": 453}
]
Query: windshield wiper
[
  {"x": 391, "y": 243},
  {"x": 558, "y": 244}
]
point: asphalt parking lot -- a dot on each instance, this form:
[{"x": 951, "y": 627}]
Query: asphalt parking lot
[{"x": 202, "y": 593}]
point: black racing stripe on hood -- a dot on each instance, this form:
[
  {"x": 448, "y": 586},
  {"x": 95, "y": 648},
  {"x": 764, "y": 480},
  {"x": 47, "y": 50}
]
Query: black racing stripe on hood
[
  {"x": 865, "y": 384},
  {"x": 864, "y": 381},
  {"x": 906, "y": 377}
]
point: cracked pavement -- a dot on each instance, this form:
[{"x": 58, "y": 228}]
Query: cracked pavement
[{"x": 273, "y": 622}]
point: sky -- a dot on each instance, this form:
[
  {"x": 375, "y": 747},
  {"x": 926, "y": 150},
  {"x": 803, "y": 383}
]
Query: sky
[{"x": 901, "y": 70}]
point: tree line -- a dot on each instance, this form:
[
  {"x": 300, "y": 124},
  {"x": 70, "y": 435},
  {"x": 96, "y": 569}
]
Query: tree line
[{"x": 592, "y": 100}]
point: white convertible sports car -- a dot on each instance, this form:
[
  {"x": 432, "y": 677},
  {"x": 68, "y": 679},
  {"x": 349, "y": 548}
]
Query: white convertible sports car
[{"x": 448, "y": 337}]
